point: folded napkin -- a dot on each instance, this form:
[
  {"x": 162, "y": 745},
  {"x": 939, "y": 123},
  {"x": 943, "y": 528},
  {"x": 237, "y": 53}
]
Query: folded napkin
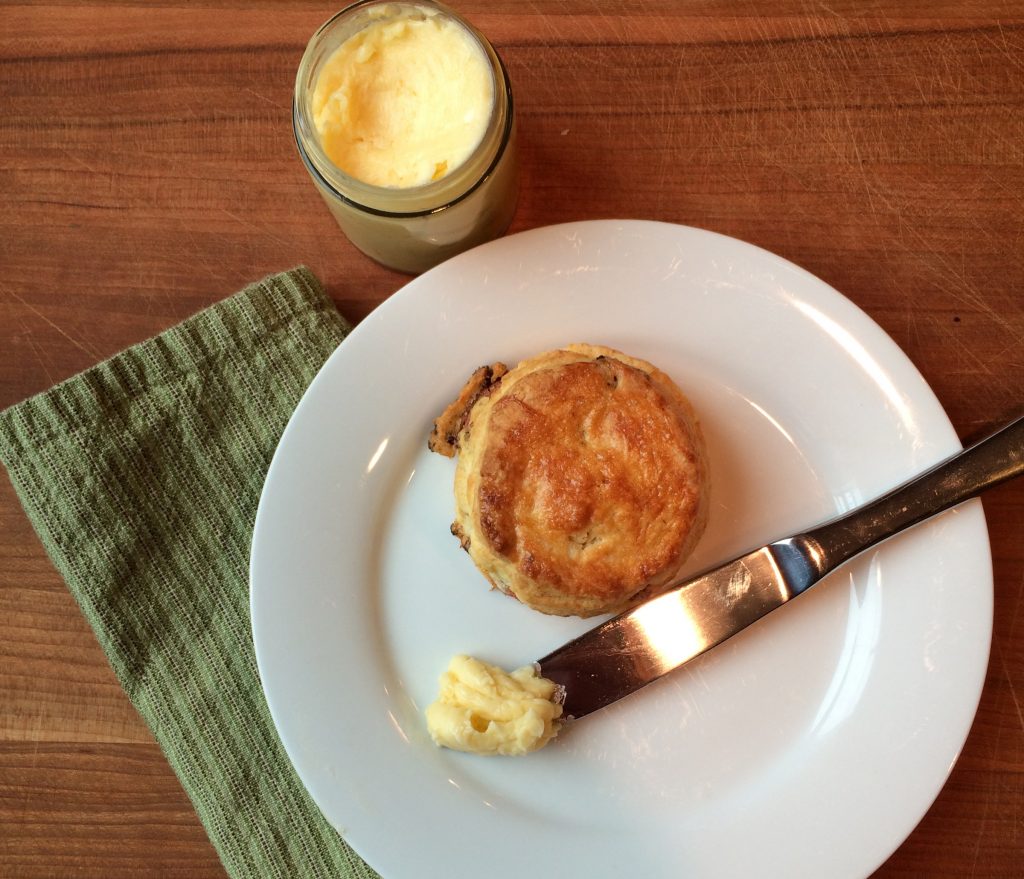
[{"x": 142, "y": 477}]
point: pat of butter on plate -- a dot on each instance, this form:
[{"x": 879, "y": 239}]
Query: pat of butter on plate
[{"x": 482, "y": 709}]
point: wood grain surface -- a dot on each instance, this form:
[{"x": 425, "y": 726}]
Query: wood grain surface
[{"x": 147, "y": 169}]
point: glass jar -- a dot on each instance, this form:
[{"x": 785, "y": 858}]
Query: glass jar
[{"x": 412, "y": 228}]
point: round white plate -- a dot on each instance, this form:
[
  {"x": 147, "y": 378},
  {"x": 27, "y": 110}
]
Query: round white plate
[{"x": 809, "y": 745}]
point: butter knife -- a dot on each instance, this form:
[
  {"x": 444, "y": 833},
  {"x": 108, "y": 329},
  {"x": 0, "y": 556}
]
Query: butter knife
[{"x": 646, "y": 642}]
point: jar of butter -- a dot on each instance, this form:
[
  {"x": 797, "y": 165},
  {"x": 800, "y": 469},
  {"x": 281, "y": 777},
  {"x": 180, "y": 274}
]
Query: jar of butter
[{"x": 403, "y": 117}]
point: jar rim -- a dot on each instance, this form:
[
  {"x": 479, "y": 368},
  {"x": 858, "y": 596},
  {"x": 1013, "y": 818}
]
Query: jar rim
[{"x": 317, "y": 162}]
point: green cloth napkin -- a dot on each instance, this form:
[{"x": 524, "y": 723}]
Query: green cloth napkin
[{"x": 142, "y": 477}]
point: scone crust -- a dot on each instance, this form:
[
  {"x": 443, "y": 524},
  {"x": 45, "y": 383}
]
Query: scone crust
[{"x": 581, "y": 481}]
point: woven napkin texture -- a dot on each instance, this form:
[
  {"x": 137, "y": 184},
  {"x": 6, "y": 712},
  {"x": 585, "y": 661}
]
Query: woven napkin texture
[{"x": 141, "y": 477}]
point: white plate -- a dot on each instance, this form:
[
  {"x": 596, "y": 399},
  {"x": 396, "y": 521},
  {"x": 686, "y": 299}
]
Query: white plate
[{"x": 809, "y": 745}]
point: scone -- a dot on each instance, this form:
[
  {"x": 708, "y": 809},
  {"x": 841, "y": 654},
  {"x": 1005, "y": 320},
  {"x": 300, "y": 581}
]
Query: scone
[{"x": 581, "y": 483}]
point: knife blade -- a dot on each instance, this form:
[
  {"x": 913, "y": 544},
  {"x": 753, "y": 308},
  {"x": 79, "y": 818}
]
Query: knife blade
[{"x": 642, "y": 644}]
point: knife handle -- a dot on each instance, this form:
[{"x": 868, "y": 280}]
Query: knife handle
[{"x": 984, "y": 465}]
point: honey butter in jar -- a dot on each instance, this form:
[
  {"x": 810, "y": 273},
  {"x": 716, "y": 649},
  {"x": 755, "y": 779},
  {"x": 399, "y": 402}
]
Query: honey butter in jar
[{"x": 403, "y": 117}]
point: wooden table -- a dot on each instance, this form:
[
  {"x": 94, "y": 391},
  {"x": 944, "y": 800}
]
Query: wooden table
[{"x": 147, "y": 169}]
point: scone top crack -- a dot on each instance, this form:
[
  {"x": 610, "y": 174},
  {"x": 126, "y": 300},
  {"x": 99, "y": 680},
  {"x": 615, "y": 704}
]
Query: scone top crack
[{"x": 581, "y": 484}]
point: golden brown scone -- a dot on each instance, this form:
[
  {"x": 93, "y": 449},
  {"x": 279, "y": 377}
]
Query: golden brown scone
[{"x": 581, "y": 480}]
